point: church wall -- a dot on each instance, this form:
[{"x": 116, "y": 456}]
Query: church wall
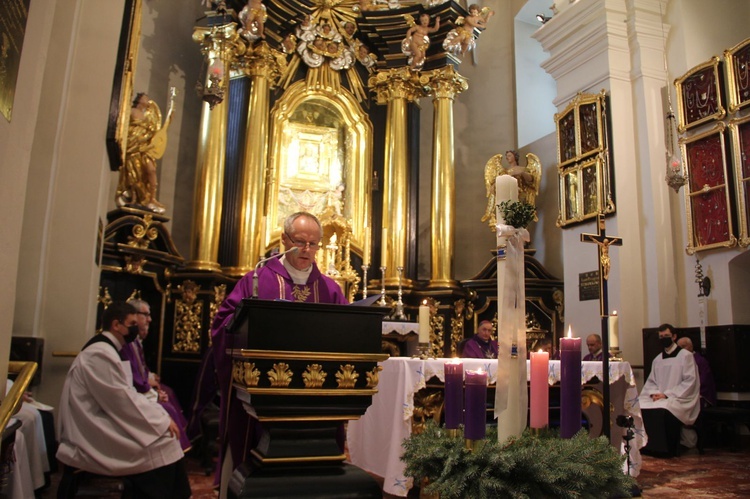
[
  {"x": 68, "y": 176},
  {"x": 16, "y": 139}
]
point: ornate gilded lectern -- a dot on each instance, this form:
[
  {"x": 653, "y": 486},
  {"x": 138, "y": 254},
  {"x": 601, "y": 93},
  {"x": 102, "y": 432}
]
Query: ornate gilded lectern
[{"x": 303, "y": 369}]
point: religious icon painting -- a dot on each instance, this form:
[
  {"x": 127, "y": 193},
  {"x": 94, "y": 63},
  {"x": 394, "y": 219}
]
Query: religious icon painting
[
  {"x": 699, "y": 95},
  {"x": 581, "y": 188},
  {"x": 708, "y": 208},
  {"x": 738, "y": 75},
  {"x": 589, "y": 119},
  {"x": 740, "y": 130},
  {"x": 566, "y": 138}
]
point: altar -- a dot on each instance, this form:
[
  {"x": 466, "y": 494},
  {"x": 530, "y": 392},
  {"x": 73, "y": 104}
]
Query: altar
[{"x": 375, "y": 440}]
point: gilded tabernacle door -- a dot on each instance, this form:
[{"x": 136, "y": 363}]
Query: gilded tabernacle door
[{"x": 321, "y": 161}]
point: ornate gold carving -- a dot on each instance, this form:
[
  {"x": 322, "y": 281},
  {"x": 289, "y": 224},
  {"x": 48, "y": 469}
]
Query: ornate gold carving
[
  {"x": 314, "y": 376},
  {"x": 187, "y": 324},
  {"x": 336, "y": 245},
  {"x": 397, "y": 83},
  {"x": 461, "y": 311},
  {"x": 134, "y": 264},
  {"x": 373, "y": 377},
  {"x": 220, "y": 293},
  {"x": 251, "y": 374},
  {"x": 445, "y": 83},
  {"x": 346, "y": 377},
  {"x": 301, "y": 293},
  {"x": 104, "y": 297},
  {"x": 238, "y": 371},
  {"x": 262, "y": 61},
  {"x": 280, "y": 376},
  {"x": 143, "y": 232},
  {"x": 436, "y": 328},
  {"x": 428, "y": 403}
]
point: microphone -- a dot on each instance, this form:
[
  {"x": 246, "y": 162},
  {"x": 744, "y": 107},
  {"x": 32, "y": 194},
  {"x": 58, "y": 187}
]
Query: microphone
[{"x": 260, "y": 264}]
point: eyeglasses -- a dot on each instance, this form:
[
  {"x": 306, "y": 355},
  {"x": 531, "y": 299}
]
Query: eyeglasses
[
  {"x": 302, "y": 244},
  {"x": 146, "y": 314}
]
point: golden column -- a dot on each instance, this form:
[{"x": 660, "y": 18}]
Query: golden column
[
  {"x": 445, "y": 84},
  {"x": 262, "y": 64},
  {"x": 396, "y": 88},
  {"x": 219, "y": 45}
]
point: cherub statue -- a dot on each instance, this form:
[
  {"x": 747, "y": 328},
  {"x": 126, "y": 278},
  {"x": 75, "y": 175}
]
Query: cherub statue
[
  {"x": 461, "y": 39},
  {"x": 416, "y": 43},
  {"x": 147, "y": 140},
  {"x": 253, "y": 17},
  {"x": 528, "y": 178}
]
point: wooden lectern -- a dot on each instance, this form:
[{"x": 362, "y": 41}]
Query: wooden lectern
[{"x": 303, "y": 369}]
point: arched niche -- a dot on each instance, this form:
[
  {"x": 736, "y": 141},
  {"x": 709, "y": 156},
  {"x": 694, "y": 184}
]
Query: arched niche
[{"x": 320, "y": 160}]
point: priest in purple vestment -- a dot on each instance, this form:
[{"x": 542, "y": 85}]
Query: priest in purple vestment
[
  {"x": 481, "y": 345},
  {"x": 147, "y": 382},
  {"x": 708, "y": 387},
  {"x": 294, "y": 277}
]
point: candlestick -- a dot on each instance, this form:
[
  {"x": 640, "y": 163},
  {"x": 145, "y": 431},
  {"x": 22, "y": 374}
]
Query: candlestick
[
  {"x": 399, "y": 313},
  {"x": 454, "y": 394},
  {"x": 382, "y": 286},
  {"x": 614, "y": 330},
  {"x": 476, "y": 405},
  {"x": 424, "y": 323},
  {"x": 570, "y": 386},
  {"x": 364, "y": 281},
  {"x": 539, "y": 389}
]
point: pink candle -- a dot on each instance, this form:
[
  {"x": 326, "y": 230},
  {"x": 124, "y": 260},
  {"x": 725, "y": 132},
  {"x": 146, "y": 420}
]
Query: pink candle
[
  {"x": 476, "y": 405},
  {"x": 570, "y": 386},
  {"x": 539, "y": 389},
  {"x": 454, "y": 394}
]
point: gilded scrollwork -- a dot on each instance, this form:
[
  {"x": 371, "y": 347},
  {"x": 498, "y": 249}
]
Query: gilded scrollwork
[
  {"x": 238, "y": 371},
  {"x": 314, "y": 376},
  {"x": 280, "y": 376},
  {"x": 437, "y": 327},
  {"x": 251, "y": 374},
  {"x": 346, "y": 376},
  {"x": 187, "y": 323},
  {"x": 428, "y": 404},
  {"x": 373, "y": 377},
  {"x": 143, "y": 232},
  {"x": 220, "y": 293},
  {"x": 134, "y": 264},
  {"x": 457, "y": 325},
  {"x": 104, "y": 297}
]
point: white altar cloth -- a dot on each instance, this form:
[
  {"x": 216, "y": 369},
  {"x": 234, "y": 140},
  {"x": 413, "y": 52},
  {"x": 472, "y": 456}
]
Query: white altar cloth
[{"x": 375, "y": 440}]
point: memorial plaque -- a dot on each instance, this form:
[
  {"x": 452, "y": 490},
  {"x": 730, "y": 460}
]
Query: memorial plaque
[{"x": 588, "y": 285}]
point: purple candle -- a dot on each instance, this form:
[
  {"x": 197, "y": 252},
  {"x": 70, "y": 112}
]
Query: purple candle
[
  {"x": 454, "y": 394},
  {"x": 570, "y": 386},
  {"x": 476, "y": 405}
]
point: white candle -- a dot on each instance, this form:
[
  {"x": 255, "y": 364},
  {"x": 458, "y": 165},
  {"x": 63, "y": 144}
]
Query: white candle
[
  {"x": 366, "y": 255},
  {"x": 384, "y": 247},
  {"x": 614, "y": 330},
  {"x": 506, "y": 189},
  {"x": 424, "y": 323}
]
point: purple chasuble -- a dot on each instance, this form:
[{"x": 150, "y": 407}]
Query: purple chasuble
[
  {"x": 274, "y": 283},
  {"x": 475, "y": 348}
]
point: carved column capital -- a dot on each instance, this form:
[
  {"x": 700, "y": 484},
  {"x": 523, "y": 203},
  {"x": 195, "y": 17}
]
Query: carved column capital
[
  {"x": 220, "y": 41},
  {"x": 397, "y": 83},
  {"x": 445, "y": 83},
  {"x": 264, "y": 62}
]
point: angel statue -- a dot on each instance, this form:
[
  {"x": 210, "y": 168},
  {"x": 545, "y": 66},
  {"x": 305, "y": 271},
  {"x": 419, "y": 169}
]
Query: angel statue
[
  {"x": 253, "y": 17},
  {"x": 416, "y": 43},
  {"x": 461, "y": 39},
  {"x": 147, "y": 140},
  {"x": 528, "y": 177}
]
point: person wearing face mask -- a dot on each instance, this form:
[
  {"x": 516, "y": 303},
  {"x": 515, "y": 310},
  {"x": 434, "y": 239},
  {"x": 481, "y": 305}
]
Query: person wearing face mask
[
  {"x": 670, "y": 398},
  {"x": 294, "y": 277},
  {"x": 108, "y": 428}
]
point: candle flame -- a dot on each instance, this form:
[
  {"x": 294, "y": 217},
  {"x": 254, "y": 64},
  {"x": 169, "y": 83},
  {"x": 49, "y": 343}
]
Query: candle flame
[
  {"x": 540, "y": 351},
  {"x": 614, "y": 313},
  {"x": 424, "y": 302},
  {"x": 570, "y": 331}
]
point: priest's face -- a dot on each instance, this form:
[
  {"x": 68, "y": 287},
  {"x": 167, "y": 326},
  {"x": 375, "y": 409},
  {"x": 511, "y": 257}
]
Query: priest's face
[
  {"x": 305, "y": 235},
  {"x": 484, "y": 331},
  {"x": 143, "y": 316},
  {"x": 594, "y": 344}
]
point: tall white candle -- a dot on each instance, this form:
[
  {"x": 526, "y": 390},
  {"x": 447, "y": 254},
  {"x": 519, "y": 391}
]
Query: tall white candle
[
  {"x": 384, "y": 247},
  {"x": 506, "y": 189},
  {"x": 424, "y": 323},
  {"x": 614, "y": 330},
  {"x": 366, "y": 255}
]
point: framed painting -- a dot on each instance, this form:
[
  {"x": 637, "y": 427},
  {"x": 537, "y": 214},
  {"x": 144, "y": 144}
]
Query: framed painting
[
  {"x": 699, "y": 95},
  {"x": 581, "y": 128},
  {"x": 581, "y": 192},
  {"x": 707, "y": 198},
  {"x": 737, "y": 68},
  {"x": 740, "y": 131}
]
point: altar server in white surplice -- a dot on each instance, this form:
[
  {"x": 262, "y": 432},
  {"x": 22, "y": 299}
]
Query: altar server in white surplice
[
  {"x": 108, "y": 428},
  {"x": 671, "y": 395}
]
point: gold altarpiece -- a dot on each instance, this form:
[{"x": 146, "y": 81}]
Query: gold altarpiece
[{"x": 290, "y": 124}]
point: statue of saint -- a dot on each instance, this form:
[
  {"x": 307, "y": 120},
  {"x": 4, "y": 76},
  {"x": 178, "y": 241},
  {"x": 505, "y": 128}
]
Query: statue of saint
[
  {"x": 147, "y": 140},
  {"x": 417, "y": 41},
  {"x": 528, "y": 177}
]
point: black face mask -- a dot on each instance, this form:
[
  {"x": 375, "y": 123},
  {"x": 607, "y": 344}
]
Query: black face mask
[
  {"x": 132, "y": 333},
  {"x": 666, "y": 341}
]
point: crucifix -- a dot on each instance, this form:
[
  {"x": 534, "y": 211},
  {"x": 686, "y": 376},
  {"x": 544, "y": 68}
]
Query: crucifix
[{"x": 603, "y": 243}]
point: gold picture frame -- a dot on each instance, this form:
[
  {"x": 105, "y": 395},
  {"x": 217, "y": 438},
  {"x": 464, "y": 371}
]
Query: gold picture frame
[
  {"x": 583, "y": 159},
  {"x": 707, "y": 194},
  {"x": 737, "y": 69},
  {"x": 699, "y": 95},
  {"x": 582, "y": 191},
  {"x": 740, "y": 132}
]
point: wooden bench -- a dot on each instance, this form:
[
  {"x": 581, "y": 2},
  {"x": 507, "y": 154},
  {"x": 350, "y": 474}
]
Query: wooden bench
[{"x": 726, "y": 418}]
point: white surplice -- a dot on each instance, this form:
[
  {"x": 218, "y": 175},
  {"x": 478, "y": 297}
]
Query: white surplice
[
  {"x": 106, "y": 427},
  {"x": 677, "y": 378}
]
